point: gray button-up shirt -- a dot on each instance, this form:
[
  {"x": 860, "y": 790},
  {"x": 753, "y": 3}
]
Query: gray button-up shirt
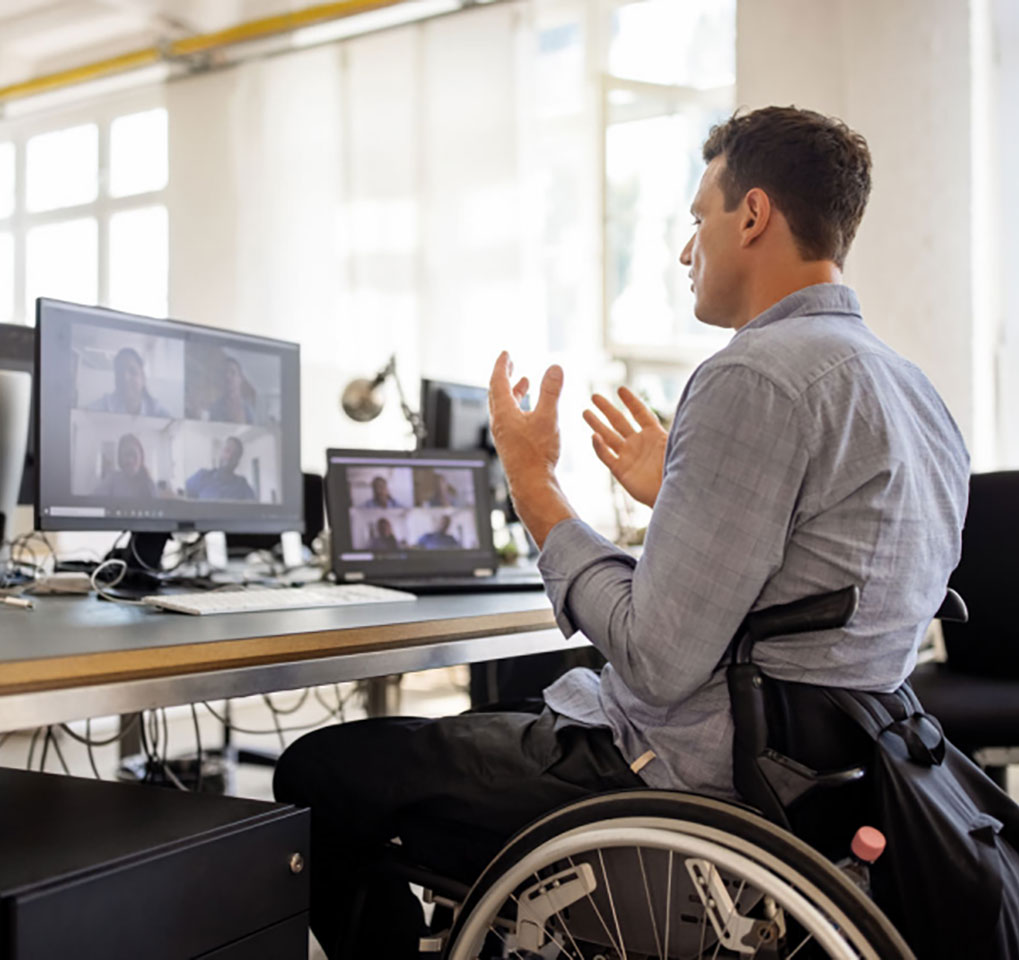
[{"x": 805, "y": 456}]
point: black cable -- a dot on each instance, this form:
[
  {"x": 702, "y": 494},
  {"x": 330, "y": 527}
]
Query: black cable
[
  {"x": 198, "y": 747},
  {"x": 300, "y": 702},
  {"x": 88, "y": 745},
  {"x": 59, "y": 752},
  {"x": 151, "y": 759},
  {"x": 336, "y": 713},
  {"x": 293, "y": 729},
  {"x": 31, "y": 747},
  {"x": 166, "y": 736},
  {"x": 88, "y": 741},
  {"x": 275, "y": 720},
  {"x": 45, "y": 749}
]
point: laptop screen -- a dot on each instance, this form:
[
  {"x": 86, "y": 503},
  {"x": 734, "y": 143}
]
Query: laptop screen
[{"x": 409, "y": 513}]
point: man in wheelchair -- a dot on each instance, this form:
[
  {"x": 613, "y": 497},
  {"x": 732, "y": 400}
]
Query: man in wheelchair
[{"x": 805, "y": 456}]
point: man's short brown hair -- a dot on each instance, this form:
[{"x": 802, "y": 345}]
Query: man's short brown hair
[{"x": 813, "y": 168}]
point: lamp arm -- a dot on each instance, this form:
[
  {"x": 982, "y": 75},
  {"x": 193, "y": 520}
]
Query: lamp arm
[{"x": 411, "y": 416}]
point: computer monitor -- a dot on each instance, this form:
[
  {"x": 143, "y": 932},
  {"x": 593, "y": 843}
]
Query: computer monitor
[
  {"x": 161, "y": 426},
  {"x": 17, "y": 352},
  {"x": 455, "y": 416}
]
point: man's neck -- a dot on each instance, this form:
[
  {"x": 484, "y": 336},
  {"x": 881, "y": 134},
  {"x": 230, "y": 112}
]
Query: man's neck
[{"x": 771, "y": 286}]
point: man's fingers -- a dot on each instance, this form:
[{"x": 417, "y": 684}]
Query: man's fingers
[
  {"x": 604, "y": 453},
  {"x": 499, "y": 392},
  {"x": 642, "y": 413},
  {"x": 551, "y": 387},
  {"x": 614, "y": 415},
  {"x": 520, "y": 390},
  {"x": 603, "y": 431}
]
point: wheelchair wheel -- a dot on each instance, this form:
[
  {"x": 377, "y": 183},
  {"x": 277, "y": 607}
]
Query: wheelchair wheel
[{"x": 655, "y": 874}]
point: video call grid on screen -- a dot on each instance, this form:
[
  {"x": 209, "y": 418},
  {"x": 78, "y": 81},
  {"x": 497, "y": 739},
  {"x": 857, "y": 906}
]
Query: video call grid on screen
[
  {"x": 409, "y": 513},
  {"x": 162, "y": 425}
]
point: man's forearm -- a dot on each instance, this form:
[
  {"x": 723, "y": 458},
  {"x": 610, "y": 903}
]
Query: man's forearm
[{"x": 540, "y": 504}]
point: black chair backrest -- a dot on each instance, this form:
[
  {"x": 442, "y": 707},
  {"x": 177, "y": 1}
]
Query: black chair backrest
[{"x": 988, "y": 644}]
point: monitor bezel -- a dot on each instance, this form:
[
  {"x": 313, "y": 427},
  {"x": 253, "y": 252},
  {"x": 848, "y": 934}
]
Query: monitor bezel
[{"x": 249, "y": 524}]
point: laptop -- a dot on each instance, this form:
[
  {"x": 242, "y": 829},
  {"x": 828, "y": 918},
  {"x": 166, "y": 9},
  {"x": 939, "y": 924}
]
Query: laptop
[{"x": 418, "y": 521}]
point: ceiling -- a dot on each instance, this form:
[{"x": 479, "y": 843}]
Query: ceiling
[{"x": 38, "y": 37}]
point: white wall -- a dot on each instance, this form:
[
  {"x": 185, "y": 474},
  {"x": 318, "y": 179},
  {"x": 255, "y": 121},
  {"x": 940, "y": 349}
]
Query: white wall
[{"x": 900, "y": 74}]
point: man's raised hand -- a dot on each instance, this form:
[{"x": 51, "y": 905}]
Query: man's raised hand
[
  {"x": 527, "y": 441},
  {"x": 634, "y": 455}
]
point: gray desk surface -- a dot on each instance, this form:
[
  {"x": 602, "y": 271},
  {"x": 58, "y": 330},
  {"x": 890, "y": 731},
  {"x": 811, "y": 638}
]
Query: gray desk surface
[{"x": 74, "y": 657}]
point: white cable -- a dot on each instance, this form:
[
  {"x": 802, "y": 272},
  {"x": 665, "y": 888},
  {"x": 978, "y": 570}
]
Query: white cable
[{"x": 103, "y": 589}]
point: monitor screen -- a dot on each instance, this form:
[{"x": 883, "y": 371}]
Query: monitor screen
[
  {"x": 395, "y": 513},
  {"x": 17, "y": 352},
  {"x": 157, "y": 425},
  {"x": 455, "y": 416}
]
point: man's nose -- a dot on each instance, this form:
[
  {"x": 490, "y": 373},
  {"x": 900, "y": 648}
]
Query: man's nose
[{"x": 684, "y": 257}]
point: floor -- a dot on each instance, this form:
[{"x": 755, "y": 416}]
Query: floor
[{"x": 429, "y": 693}]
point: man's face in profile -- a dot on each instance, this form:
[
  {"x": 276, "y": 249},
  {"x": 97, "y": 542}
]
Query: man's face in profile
[
  {"x": 713, "y": 252},
  {"x": 444, "y": 521},
  {"x": 380, "y": 490}
]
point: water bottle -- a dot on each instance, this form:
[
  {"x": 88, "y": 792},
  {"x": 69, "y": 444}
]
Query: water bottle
[{"x": 868, "y": 844}]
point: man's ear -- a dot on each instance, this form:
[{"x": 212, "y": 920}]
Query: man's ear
[{"x": 756, "y": 214}]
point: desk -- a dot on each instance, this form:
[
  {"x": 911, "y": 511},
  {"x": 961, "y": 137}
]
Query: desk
[{"x": 76, "y": 657}]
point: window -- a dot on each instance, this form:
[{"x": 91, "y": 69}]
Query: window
[
  {"x": 82, "y": 209},
  {"x": 659, "y": 102}
]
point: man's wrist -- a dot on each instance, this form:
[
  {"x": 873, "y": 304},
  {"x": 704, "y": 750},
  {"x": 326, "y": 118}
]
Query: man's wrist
[{"x": 540, "y": 504}]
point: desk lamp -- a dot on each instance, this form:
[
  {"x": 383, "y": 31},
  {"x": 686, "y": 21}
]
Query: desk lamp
[{"x": 362, "y": 399}]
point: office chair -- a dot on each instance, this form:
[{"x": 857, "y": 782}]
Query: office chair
[{"x": 975, "y": 692}]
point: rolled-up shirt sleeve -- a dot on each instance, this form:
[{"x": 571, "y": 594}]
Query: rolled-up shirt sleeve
[{"x": 735, "y": 465}]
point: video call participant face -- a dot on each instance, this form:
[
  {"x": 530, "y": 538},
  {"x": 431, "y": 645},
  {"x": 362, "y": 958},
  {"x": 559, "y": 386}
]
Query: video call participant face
[
  {"x": 380, "y": 491},
  {"x": 233, "y": 379},
  {"x": 230, "y": 455},
  {"x": 129, "y": 379},
  {"x": 384, "y": 527},
  {"x": 130, "y": 455}
]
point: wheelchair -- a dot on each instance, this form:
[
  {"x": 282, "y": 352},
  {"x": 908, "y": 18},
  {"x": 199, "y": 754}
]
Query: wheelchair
[{"x": 644, "y": 873}]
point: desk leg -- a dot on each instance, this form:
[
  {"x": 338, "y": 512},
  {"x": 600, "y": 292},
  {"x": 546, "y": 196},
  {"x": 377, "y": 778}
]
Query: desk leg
[{"x": 382, "y": 695}]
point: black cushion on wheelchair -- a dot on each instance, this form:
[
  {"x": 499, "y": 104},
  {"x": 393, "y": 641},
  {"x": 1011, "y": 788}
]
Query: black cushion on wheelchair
[{"x": 974, "y": 711}]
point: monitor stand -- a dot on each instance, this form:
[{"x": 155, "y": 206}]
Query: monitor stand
[{"x": 143, "y": 555}]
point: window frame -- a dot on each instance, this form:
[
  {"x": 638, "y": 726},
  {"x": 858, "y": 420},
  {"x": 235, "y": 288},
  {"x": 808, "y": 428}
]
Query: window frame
[{"x": 102, "y": 113}]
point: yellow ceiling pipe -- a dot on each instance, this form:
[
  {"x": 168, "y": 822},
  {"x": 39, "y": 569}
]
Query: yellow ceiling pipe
[{"x": 190, "y": 46}]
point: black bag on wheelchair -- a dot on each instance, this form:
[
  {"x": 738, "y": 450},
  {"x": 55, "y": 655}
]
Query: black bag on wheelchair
[{"x": 949, "y": 877}]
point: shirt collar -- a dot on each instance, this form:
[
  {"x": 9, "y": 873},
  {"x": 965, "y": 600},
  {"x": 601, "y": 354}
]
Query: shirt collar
[{"x": 819, "y": 298}]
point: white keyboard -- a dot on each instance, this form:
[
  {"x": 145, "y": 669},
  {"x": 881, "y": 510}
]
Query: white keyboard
[{"x": 254, "y": 599}]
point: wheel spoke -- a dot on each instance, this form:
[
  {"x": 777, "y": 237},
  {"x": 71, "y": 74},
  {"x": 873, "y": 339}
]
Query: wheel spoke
[
  {"x": 612, "y": 904},
  {"x": 668, "y": 902},
  {"x": 601, "y": 919},
  {"x": 802, "y": 944},
  {"x": 650, "y": 906}
]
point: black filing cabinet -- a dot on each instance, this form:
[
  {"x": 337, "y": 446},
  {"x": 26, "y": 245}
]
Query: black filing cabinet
[{"x": 111, "y": 871}]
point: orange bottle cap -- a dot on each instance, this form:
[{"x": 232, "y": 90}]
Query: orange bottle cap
[{"x": 868, "y": 844}]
